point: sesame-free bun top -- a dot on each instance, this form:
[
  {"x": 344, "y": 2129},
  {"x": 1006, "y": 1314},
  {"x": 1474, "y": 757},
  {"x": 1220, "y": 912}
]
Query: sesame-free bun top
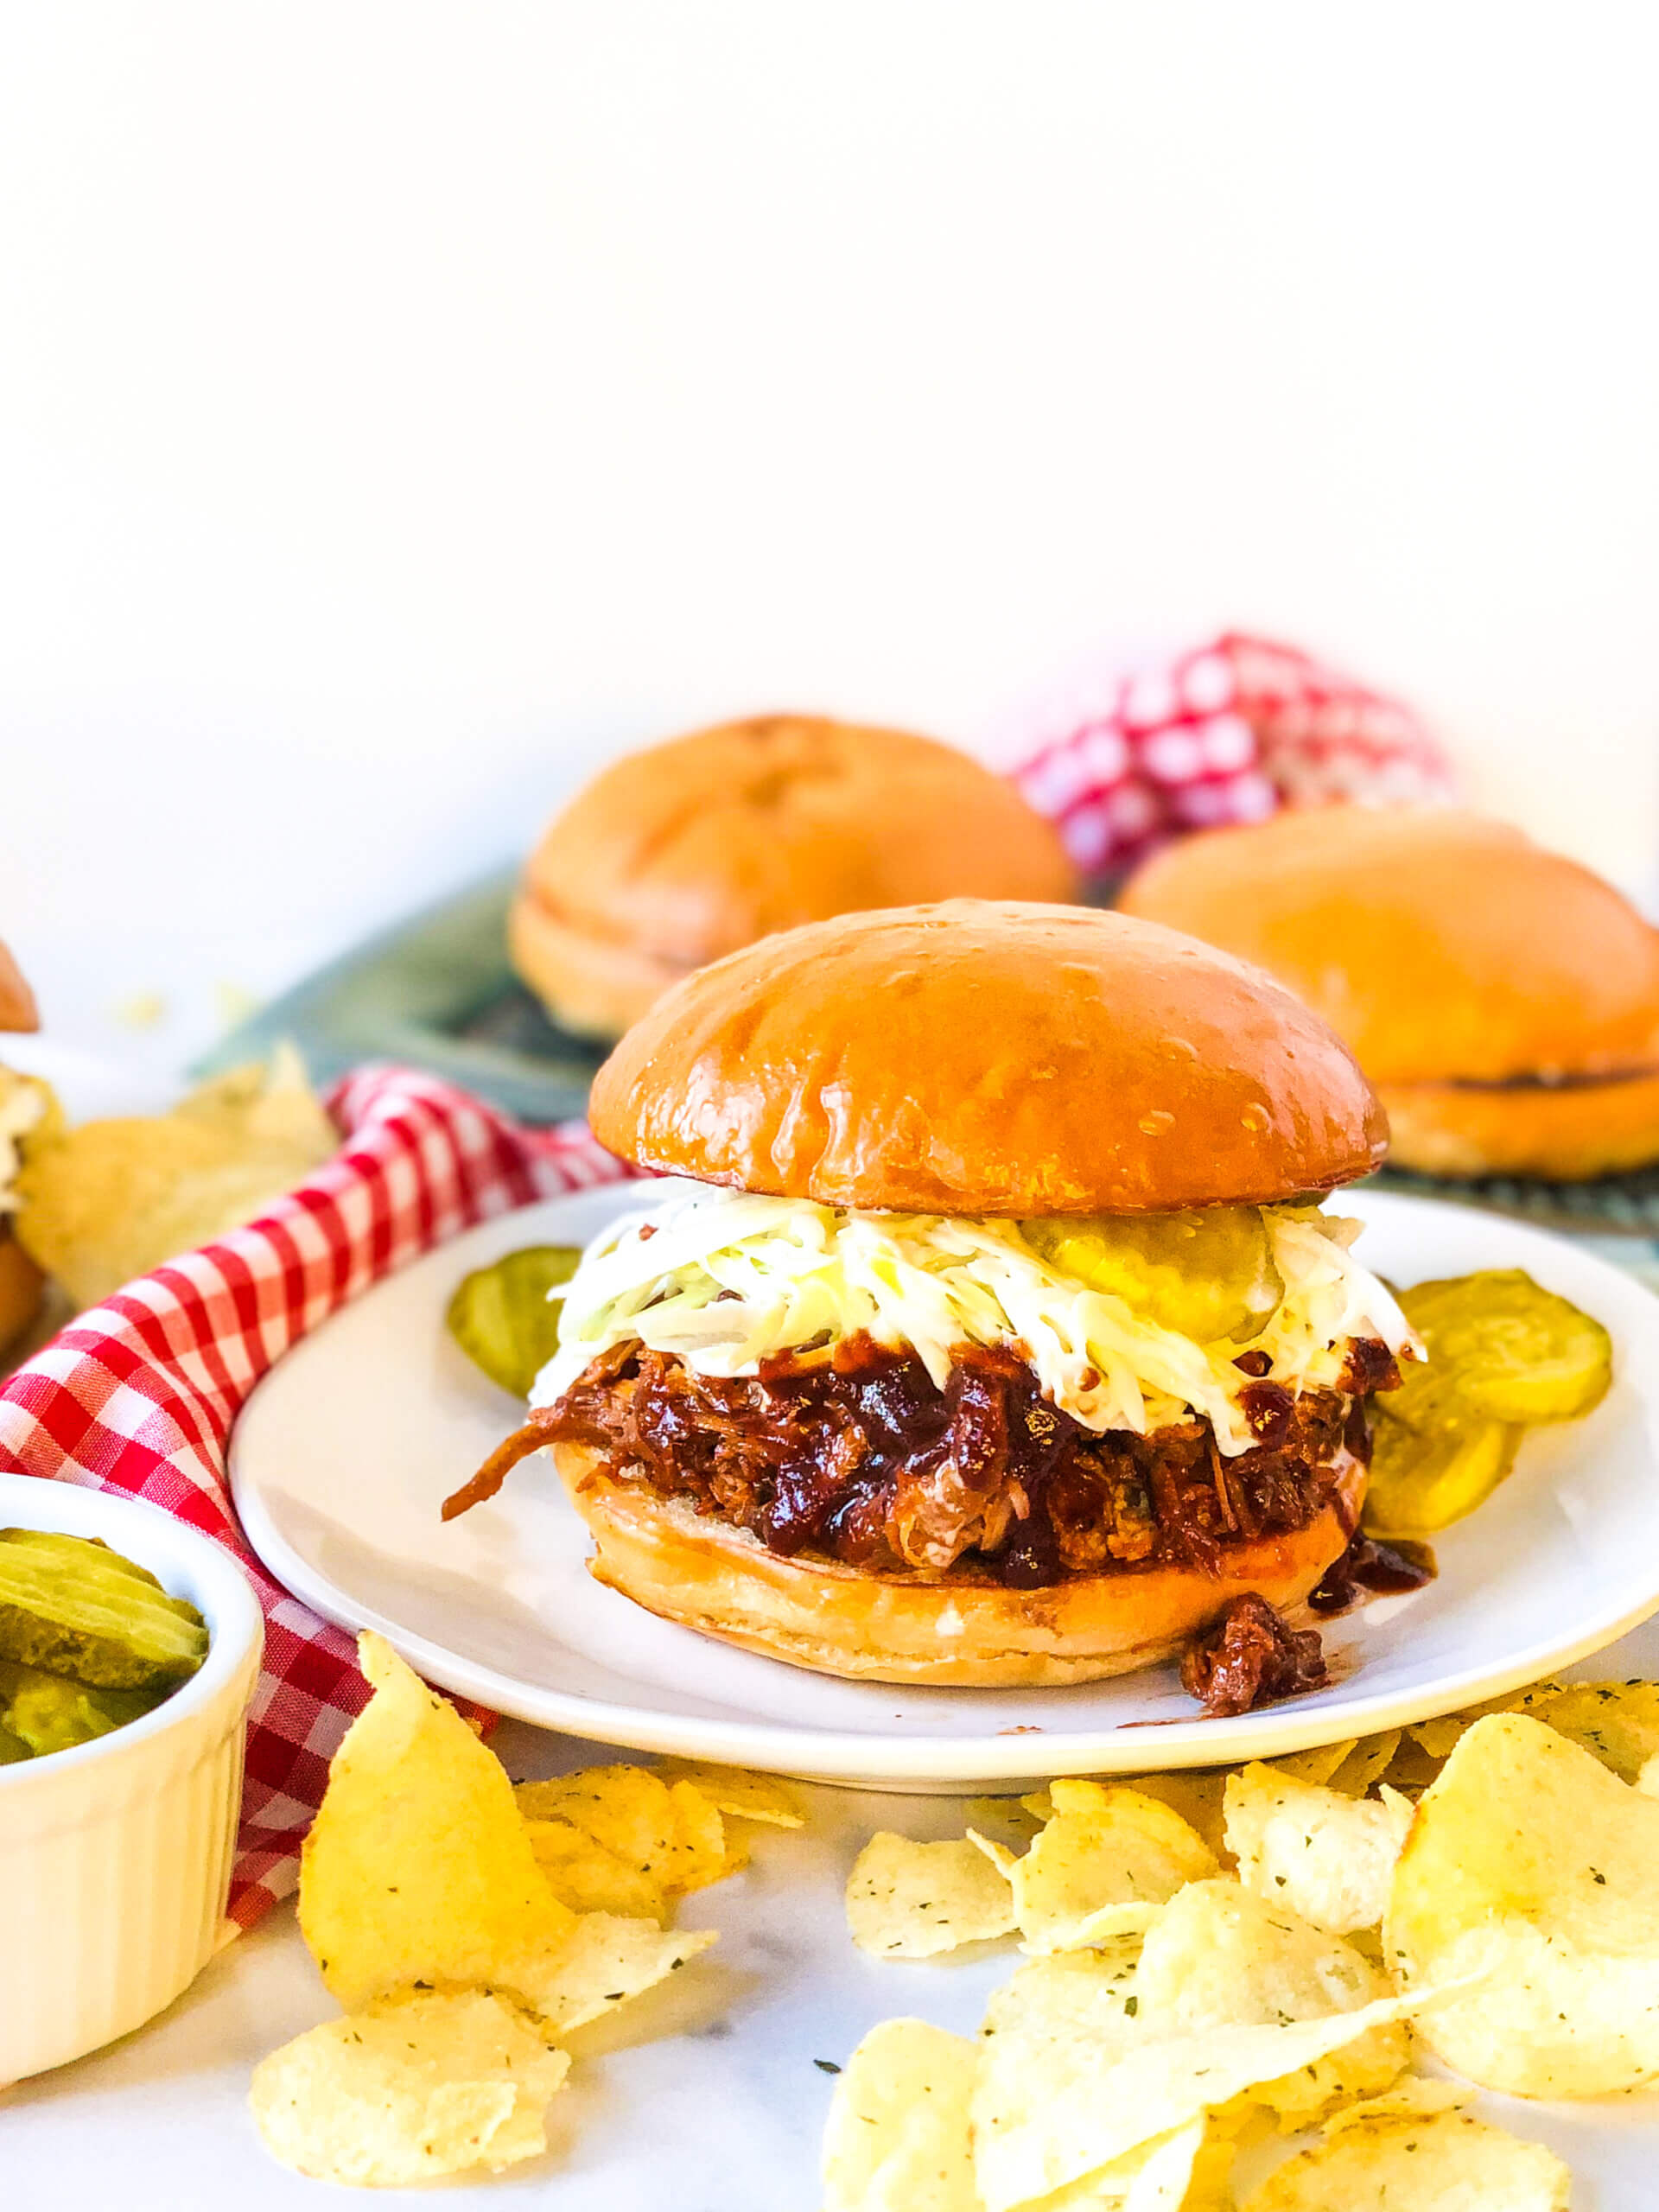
[
  {"x": 982, "y": 1058},
  {"x": 1443, "y": 946},
  {"x": 678, "y": 854},
  {"x": 17, "y": 1000}
]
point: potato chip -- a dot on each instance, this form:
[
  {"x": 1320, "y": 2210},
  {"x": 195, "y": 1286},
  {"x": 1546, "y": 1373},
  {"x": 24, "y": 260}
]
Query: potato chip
[
  {"x": 1158, "y": 2177},
  {"x": 1318, "y": 1764},
  {"x": 1528, "y": 1862},
  {"x": 411, "y": 2088},
  {"x": 1447, "y": 2162},
  {"x": 1221, "y": 1957},
  {"x": 603, "y": 1960},
  {"x": 111, "y": 1199},
  {"x": 1109, "y": 1858},
  {"x": 897, "y": 2137},
  {"x": 1193, "y": 1792},
  {"x": 908, "y": 1900},
  {"x": 1328, "y": 1856},
  {"x": 587, "y": 1877},
  {"x": 1366, "y": 1764},
  {"x": 1618, "y": 1722},
  {"x": 1413, "y": 2097},
  {"x": 1050, "y": 2111},
  {"x": 739, "y": 1793},
  {"x": 671, "y": 1836},
  {"x": 417, "y": 1867}
]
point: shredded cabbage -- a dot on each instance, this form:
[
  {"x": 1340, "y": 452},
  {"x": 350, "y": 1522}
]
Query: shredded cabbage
[{"x": 725, "y": 1277}]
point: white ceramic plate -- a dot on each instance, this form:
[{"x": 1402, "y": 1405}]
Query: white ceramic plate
[{"x": 347, "y": 1449}]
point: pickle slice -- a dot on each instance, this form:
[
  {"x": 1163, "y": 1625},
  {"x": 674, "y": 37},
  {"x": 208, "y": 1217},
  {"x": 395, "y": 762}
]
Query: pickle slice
[
  {"x": 1208, "y": 1274},
  {"x": 1518, "y": 1351},
  {"x": 1421, "y": 1482},
  {"x": 72, "y": 1607},
  {"x": 12, "y": 1748},
  {"x": 502, "y": 1319},
  {"x": 48, "y": 1713}
]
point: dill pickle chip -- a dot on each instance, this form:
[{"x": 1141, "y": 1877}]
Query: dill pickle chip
[
  {"x": 1421, "y": 1482},
  {"x": 48, "y": 1713},
  {"x": 1208, "y": 1274},
  {"x": 1517, "y": 1352},
  {"x": 70, "y": 1606},
  {"x": 502, "y": 1319}
]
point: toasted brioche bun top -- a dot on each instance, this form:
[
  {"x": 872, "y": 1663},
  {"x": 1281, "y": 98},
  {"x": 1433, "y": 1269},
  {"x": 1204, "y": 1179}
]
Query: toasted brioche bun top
[
  {"x": 1443, "y": 946},
  {"x": 980, "y": 1059},
  {"x": 17, "y": 1000},
  {"x": 690, "y": 849}
]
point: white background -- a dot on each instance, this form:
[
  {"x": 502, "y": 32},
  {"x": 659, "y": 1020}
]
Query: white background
[{"x": 403, "y": 406}]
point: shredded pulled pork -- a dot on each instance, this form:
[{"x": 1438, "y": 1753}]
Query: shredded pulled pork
[
  {"x": 1249, "y": 1657},
  {"x": 855, "y": 1454}
]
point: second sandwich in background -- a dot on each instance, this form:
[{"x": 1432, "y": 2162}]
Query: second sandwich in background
[{"x": 679, "y": 855}]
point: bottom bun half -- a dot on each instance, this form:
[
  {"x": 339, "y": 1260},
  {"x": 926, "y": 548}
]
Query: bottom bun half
[
  {"x": 591, "y": 986},
  {"x": 1567, "y": 1132},
  {"x": 701, "y": 1571}
]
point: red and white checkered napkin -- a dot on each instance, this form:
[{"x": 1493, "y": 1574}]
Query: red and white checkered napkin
[
  {"x": 1229, "y": 732},
  {"x": 139, "y": 1394}
]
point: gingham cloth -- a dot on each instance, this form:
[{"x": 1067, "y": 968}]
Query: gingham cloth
[
  {"x": 1228, "y": 732},
  {"x": 138, "y": 1395}
]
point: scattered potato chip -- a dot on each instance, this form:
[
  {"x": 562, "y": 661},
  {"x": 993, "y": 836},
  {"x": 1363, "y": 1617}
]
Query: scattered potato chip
[
  {"x": 1193, "y": 1792},
  {"x": 897, "y": 2137},
  {"x": 1220, "y": 1957},
  {"x": 1446, "y": 2162},
  {"x": 1530, "y": 1864},
  {"x": 1316, "y": 1765},
  {"x": 1329, "y": 1856},
  {"x": 584, "y": 1875},
  {"x": 908, "y": 1900},
  {"x": 1366, "y": 1764},
  {"x": 1104, "y": 1864},
  {"x": 1414, "y": 2097},
  {"x": 1158, "y": 2177},
  {"x": 739, "y": 1793},
  {"x": 1049, "y": 2112},
  {"x": 672, "y": 1836},
  {"x": 599, "y": 1962},
  {"x": 413, "y": 2088},
  {"x": 1618, "y": 1722},
  {"x": 111, "y": 1199},
  {"x": 417, "y": 1867}
]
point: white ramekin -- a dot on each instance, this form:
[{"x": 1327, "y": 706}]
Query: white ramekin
[{"x": 115, "y": 1858}]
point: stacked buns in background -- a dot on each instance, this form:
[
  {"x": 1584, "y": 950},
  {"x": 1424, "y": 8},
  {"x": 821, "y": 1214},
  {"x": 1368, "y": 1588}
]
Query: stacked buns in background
[
  {"x": 676, "y": 855},
  {"x": 1503, "y": 1000}
]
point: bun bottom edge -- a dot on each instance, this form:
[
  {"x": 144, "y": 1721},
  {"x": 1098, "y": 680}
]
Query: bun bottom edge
[
  {"x": 1569, "y": 1133},
  {"x": 590, "y": 986},
  {"x": 703, "y": 1574}
]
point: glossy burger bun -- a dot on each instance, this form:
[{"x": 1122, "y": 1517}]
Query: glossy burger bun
[
  {"x": 980, "y": 1058},
  {"x": 1503, "y": 1000},
  {"x": 704, "y": 1575},
  {"x": 681, "y": 853}
]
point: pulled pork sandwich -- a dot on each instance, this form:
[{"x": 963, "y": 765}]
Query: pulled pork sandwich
[
  {"x": 679, "y": 855},
  {"x": 1504, "y": 1000},
  {"x": 23, "y": 1105},
  {"x": 992, "y": 1332}
]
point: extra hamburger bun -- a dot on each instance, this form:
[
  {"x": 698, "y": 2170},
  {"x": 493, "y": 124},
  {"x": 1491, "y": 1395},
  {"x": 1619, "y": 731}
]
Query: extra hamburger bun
[
  {"x": 981, "y": 1059},
  {"x": 814, "y": 1612},
  {"x": 1503, "y": 1000},
  {"x": 22, "y": 1287},
  {"x": 676, "y": 855}
]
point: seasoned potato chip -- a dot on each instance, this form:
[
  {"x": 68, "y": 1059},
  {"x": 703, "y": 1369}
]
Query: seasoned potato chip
[
  {"x": 1220, "y": 1957},
  {"x": 417, "y": 1867},
  {"x": 587, "y": 1877},
  {"x": 1195, "y": 1793},
  {"x": 1328, "y": 1856},
  {"x": 1366, "y": 1764},
  {"x": 413, "y": 2088},
  {"x": 907, "y": 1900},
  {"x": 1415, "y": 2097},
  {"x": 897, "y": 2137},
  {"x": 1318, "y": 1764},
  {"x": 1108, "y": 1859},
  {"x": 1049, "y": 2111},
  {"x": 739, "y": 1793},
  {"x": 1530, "y": 1864},
  {"x": 1446, "y": 2162},
  {"x": 601, "y": 1961},
  {"x": 671, "y": 1836},
  {"x": 111, "y": 1199},
  {"x": 1618, "y": 1722}
]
